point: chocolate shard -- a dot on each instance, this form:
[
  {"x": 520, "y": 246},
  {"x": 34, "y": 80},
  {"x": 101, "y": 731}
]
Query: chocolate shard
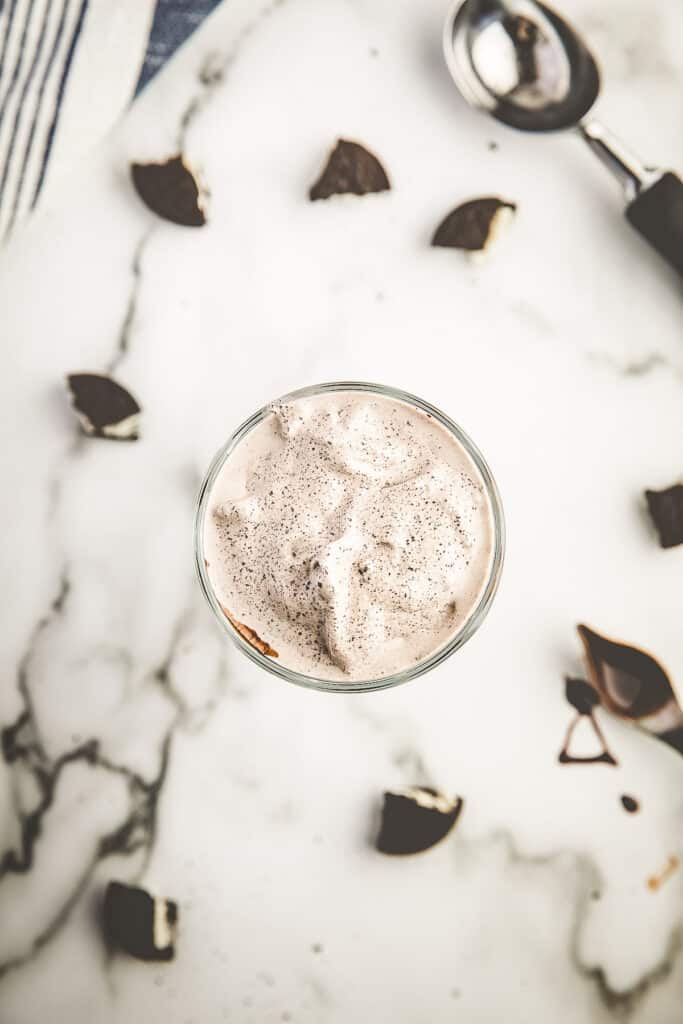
[
  {"x": 350, "y": 168},
  {"x": 170, "y": 190},
  {"x": 104, "y": 407},
  {"x": 666, "y": 511},
  {"x": 250, "y": 635},
  {"x": 581, "y": 695},
  {"x": 631, "y": 683},
  {"x": 473, "y": 225},
  {"x": 415, "y": 819},
  {"x": 139, "y": 924}
]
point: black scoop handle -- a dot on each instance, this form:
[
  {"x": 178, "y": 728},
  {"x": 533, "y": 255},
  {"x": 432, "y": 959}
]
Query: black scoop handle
[{"x": 657, "y": 214}]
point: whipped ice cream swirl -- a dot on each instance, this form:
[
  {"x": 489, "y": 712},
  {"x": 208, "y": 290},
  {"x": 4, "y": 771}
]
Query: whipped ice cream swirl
[{"x": 351, "y": 532}]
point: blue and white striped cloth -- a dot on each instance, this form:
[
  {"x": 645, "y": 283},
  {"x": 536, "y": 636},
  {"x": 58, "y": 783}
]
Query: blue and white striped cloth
[{"x": 68, "y": 69}]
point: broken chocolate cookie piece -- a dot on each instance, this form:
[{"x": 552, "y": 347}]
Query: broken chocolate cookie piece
[
  {"x": 250, "y": 635},
  {"x": 171, "y": 190},
  {"x": 473, "y": 225},
  {"x": 666, "y": 511},
  {"x": 352, "y": 169},
  {"x": 139, "y": 924},
  {"x": 104, "y": 407},
  {"x": 631, "y": 683},
  {"x": 415, "y": 819}
]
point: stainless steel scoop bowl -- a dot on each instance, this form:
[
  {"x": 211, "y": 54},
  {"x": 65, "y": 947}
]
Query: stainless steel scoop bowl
[{"x": 522, "y": 63}]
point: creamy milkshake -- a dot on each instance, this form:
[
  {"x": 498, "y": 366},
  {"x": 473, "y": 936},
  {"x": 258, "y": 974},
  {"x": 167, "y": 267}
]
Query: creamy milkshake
[{"x": 350, "y": 534}]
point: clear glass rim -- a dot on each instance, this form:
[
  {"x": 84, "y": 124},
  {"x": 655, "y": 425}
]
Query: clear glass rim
[{"x": 469, "y": 627}]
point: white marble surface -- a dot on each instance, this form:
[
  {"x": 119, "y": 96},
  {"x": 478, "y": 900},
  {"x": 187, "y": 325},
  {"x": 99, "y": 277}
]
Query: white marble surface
[{"x": 249, "y": 801}]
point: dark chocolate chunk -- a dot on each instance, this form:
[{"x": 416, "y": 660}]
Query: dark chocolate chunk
[
  {"x": 631, "y": 682},
  {"x": 139, "y": 924},
  {"x": 581, "y": 695},
  {"x": 350, "y": 168},
  {"x": 170, "y": 190},
  {"x": 104, "y": 407},
  {"x": 472, "y": 225},
  {"x": 666, "y": 510},
  {"x": 415, "y": 819},
  {"x": 629, "y": 804}
]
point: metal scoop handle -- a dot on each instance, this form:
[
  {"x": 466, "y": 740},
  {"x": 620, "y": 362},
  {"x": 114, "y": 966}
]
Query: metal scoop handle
[{"x": 655, "y": 198}]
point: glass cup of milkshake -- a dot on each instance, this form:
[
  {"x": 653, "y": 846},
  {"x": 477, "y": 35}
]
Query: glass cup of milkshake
[{"x": 349, "y": 537}]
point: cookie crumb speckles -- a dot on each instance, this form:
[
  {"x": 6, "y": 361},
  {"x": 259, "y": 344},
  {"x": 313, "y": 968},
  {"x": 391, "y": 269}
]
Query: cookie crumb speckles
[
  {"x": 104, "y": 407},
  {"x": 350, "y": 169},
  {"x": 666, "y": 511},
  {"x": 350, "y": 533},
  {"x": 474, "y": 225},
  {"x": 415, "y": 819},
  {"x": 171, "y": 190}
]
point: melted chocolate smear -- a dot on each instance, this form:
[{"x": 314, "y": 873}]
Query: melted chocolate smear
[
  {"x": 666, "y": 510},
  {"x": 104, "y": 407},
  {"x": 130, "y": 918},
  {"x": 629, "y": 804},
  {"x": 581, "y": 695},
  {"x": 415, "y": 819},
  {"x": 350, "y": 169},
  {"x": 584, "y": 699},
  {"x": 469, "y": 225},
  {"x": 170, "y": 190},
  {"x": 631, "y": 683}
]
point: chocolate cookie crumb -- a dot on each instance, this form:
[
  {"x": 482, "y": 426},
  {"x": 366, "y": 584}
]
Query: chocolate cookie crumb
[
  {"x": 666, "y": 511},
  {"x": 170, "y": 190},
  {"x": 473, "y": 225},
  {"x": 415, "y": 819},
  {"x": 352, "y": 169},
  {"x": 104, "y": 407}
]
